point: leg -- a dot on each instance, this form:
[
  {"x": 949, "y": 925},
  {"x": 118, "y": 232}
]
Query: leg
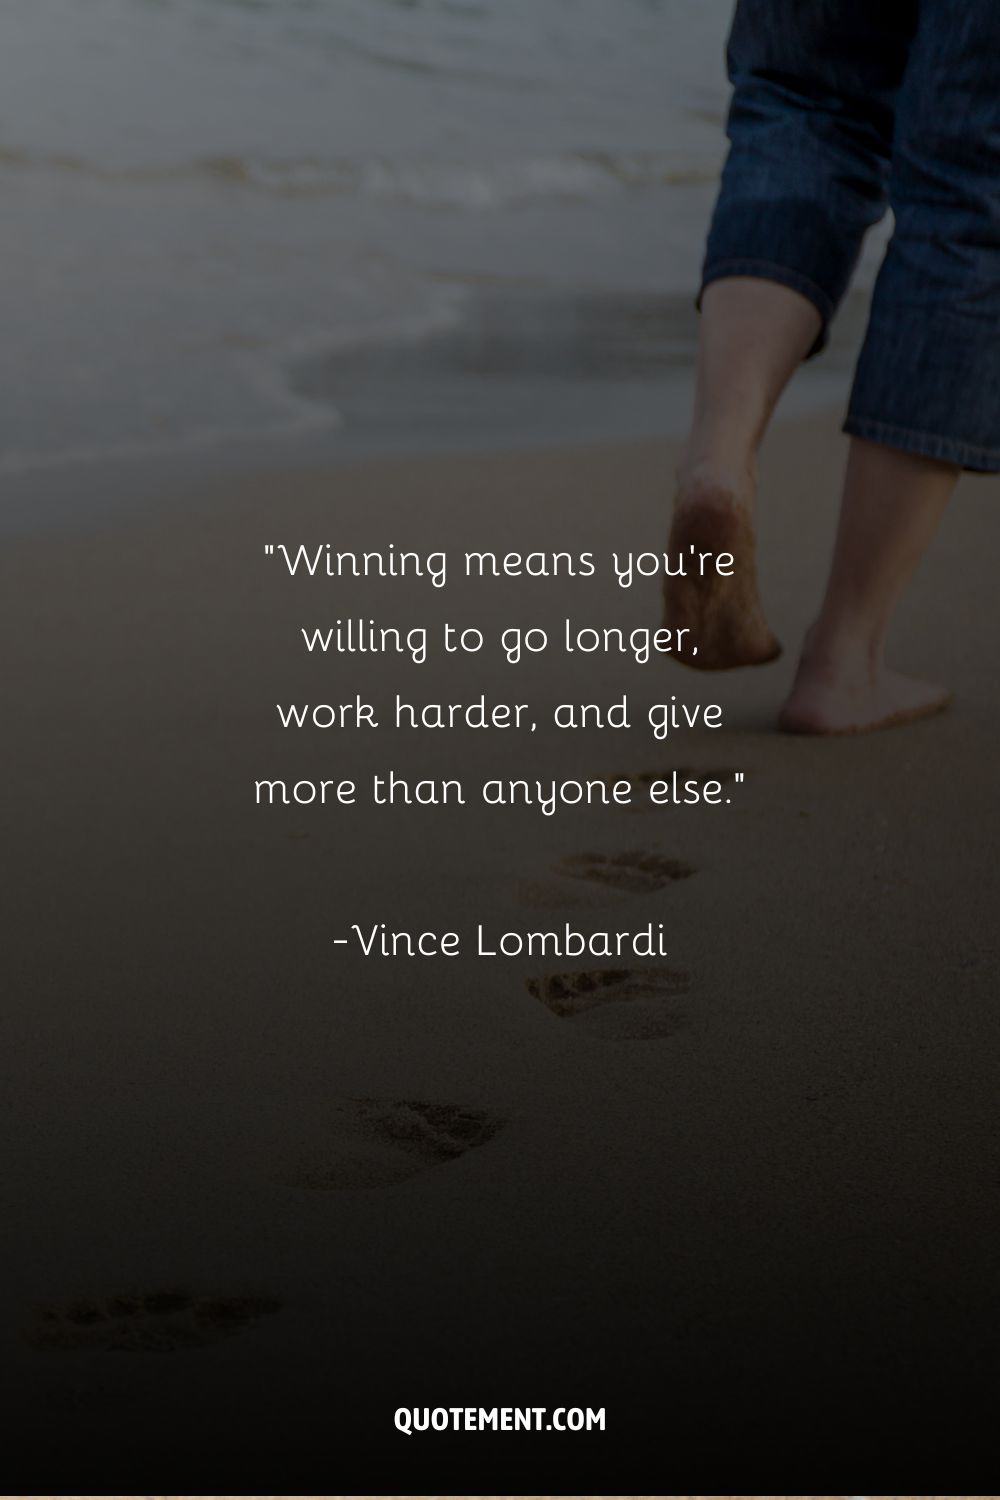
[
  {"x": 810, "y": 125},
  {"x": 929, "y": 372},
  {"x": 754, "y": 334},
  {"x": 892, "y": 504}
]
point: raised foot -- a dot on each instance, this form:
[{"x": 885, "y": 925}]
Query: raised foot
[
  {"x": 723, "y": 616},
  {"x": 822, "y": 702}
]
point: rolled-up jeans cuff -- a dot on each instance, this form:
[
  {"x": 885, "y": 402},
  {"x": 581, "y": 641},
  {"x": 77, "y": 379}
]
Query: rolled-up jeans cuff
[
  {"x": 769, "y": 270},
  {"x": 928, "y": 375},
  {"x": 802, "y": 243},
  {"x": 971, "y": 456}
]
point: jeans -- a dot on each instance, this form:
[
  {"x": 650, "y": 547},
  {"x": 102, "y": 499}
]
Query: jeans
[{"x": 842, "y": 108}]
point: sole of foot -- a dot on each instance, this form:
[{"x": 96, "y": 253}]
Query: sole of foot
[
  {"x": 828, "y": 707},
  {"x": 723, "y": 615}
]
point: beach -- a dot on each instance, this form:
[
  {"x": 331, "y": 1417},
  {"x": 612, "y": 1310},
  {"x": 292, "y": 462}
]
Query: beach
[
  {"x": 266, "y": 1188},
  {"x": 427, "y": 993}
]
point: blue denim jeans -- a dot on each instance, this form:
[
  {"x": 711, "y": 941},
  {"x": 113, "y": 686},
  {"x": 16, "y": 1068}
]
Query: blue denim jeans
[{"x": 842, "y": 108}]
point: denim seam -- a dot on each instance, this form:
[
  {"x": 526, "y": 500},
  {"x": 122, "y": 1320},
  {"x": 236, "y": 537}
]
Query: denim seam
[
  {"x": 930, "y": 444},
  {"x": 771, "y": 271}
]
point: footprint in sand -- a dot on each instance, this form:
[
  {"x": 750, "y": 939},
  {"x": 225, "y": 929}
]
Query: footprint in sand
[
  {"x": 624, "y": 1003},
  {"x": 385, "y": 1141},
  {"x": 636, "y": 871},
  {"x": 150, "y": 1322}
]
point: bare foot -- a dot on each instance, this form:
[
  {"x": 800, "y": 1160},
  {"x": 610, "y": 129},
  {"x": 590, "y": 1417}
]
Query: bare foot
[
  {"x": 830, "y": 698},
  {"x": 723, "y": 615}
]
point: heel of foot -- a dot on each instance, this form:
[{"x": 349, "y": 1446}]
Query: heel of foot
[
  {"x": 711, "y": 526},
  {"x": 721, "y": 610}
]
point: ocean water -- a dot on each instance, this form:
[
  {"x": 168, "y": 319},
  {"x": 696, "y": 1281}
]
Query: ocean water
[{"x": 375, "y": 223}]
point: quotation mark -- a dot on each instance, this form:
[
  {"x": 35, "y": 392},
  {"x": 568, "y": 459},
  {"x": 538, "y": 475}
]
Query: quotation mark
[{"x": 269, "y": 549}]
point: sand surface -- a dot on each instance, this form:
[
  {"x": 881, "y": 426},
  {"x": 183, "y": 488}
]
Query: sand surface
[{"x": 752, "y": 1196}]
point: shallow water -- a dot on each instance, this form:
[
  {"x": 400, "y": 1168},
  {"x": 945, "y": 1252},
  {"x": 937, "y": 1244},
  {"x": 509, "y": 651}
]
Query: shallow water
[{"x": 350, "y": 219}]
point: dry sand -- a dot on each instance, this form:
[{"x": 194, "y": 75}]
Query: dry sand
[{"x": 752, "y": 1199}]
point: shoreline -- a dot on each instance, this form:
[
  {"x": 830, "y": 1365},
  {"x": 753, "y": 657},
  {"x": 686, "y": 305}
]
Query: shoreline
[
  {"x": 614, "y": 375},
  {"x": 92, "y": 492}
]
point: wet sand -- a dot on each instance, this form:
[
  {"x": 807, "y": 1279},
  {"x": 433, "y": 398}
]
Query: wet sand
[{"x": 263, "y": 1190}]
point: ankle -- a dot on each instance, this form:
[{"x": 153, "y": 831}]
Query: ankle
[
  {"x": 716, "y": 479},
  {"x": 835, "y": 651}
]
